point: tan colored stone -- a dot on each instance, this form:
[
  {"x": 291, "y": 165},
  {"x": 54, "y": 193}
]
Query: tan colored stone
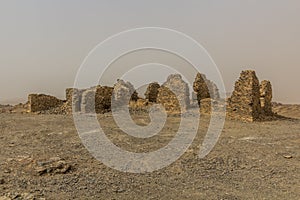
[
  {"x": 42, "y": 102},
  {"x": 244, "y": 103},
  {"x": 173, "y": 93}
]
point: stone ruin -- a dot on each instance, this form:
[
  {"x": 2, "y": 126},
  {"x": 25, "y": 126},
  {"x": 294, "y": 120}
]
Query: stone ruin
[
  {"x": 245, "y": 101},
  {"x": 152, "y": 92},
  {"x": 73, "y": 98},
  {"x": 173, "y": 93},
  {"x": 123, "y": 93},
  {"x": 266, "y": 97},
  {"x": 204, "y": 88},
  {"x": 250, "y": 100},
  {"x": 42, "y": 102},
  {"x": 95, "y": 99}
]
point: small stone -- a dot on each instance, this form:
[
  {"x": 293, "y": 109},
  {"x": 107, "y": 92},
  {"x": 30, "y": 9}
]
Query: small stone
[{"x": 288, "y": 156}]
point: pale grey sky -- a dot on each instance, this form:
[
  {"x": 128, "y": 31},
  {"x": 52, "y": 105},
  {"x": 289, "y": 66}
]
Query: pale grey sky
[{"x": 43, "y": 43}]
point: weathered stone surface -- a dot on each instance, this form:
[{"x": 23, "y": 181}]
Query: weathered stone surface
[
  {"x": 244, "y": 103},
  {"x": 208, "y": 105},
  {"x": 205, "y": 88},
  {"x": 42, "y": 102},
  {"x": 54, "y": 165},
  {"x": 103, "y": 99},
  {"x": 266, "y": 97},
  {"x": 152, "y": 92},
  {"x": 73, "y": 99},
  {"x": 88, "y": 101},
  {"x": 123, "y": 93},
  {"x": 200, "y": 87},
  {"x": 173, "y": 93}
]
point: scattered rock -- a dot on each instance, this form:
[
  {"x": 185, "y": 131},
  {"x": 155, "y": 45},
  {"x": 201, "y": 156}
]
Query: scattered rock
[{"x": 54, "y": 165}]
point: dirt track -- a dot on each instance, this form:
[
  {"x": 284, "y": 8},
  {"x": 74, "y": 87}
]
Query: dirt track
[{"x": 42, "y": 157}]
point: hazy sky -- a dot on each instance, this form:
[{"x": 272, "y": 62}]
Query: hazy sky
[{"x": 43, "y": 42}]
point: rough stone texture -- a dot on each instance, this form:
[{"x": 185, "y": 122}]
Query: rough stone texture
[
  {"x": 194, "y": 100},
  {"x": 205, "y": 88},
  {"x": 103, "y": 99},
  {"x": 140, "y": 105},
  {"x": 244, "y": 103},
  {"x": 123, "y": 93},
  {"x": 42, "y": 102},
  {"x": 266, "y": 97},
  {"x": 200, "y": 87},
  {"x": 173, "y": 93},
  {"x": 208, "y": 105},
  {"x": 73, "y": 98},
  {"x": 88, "y": 101},
  {"x": 152, "y": 92}
]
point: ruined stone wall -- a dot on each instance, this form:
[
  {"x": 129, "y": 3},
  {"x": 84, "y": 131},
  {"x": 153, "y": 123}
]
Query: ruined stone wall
[
  {"x": 152, "y": 92},
  {"x": 88, "y": 101},
  {"x": 200, "y": 87},
  {"x": 266, "y": 97},
  {"x": 73, "y": 98},
  {"x": 96, "y": 99},
  {"x": 103, "y": 99},
  {"x": 244, "y": 103},
  {"x": 205, "y": 88},
  {"x": 42, "y": 102},
  {"x": 123, "y": 93},
  {"x": 173, "y": 93}
]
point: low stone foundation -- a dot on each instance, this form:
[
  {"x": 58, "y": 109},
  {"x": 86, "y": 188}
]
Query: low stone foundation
[{"x": 42, "y": 102}]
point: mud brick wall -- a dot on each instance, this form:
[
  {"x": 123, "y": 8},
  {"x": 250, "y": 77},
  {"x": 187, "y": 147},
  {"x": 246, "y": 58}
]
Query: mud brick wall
[
  {"x": 173, "y": 93},
  {"x": 42, "y": 102},
  {"x": 244, "y": 103},
  {"x": 152, "y": 92},
  {"x": 205, "y": 88},
  {"x": 266, "y": 97}
]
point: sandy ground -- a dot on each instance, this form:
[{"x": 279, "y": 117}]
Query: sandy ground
[{"x": 42, "y": 157}]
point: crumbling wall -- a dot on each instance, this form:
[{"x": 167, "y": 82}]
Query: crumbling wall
[
  {"x": 88, "y": 101},
  {"x": 173, "y": 93},
  {"x": 205, "y": 88},
  {"x": 103, "y": 99},
  {"x": 152, "y": 92},
  {"x": 73, "y": 99},
  {"x": 266, "y": 97},
  {"x": 244, "y": 103},
  {"x": 123, "y": 93},
  {"x": 42, "y": 102}
]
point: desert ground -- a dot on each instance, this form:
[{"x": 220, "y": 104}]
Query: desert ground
[{"x": 42, "y": 157}]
